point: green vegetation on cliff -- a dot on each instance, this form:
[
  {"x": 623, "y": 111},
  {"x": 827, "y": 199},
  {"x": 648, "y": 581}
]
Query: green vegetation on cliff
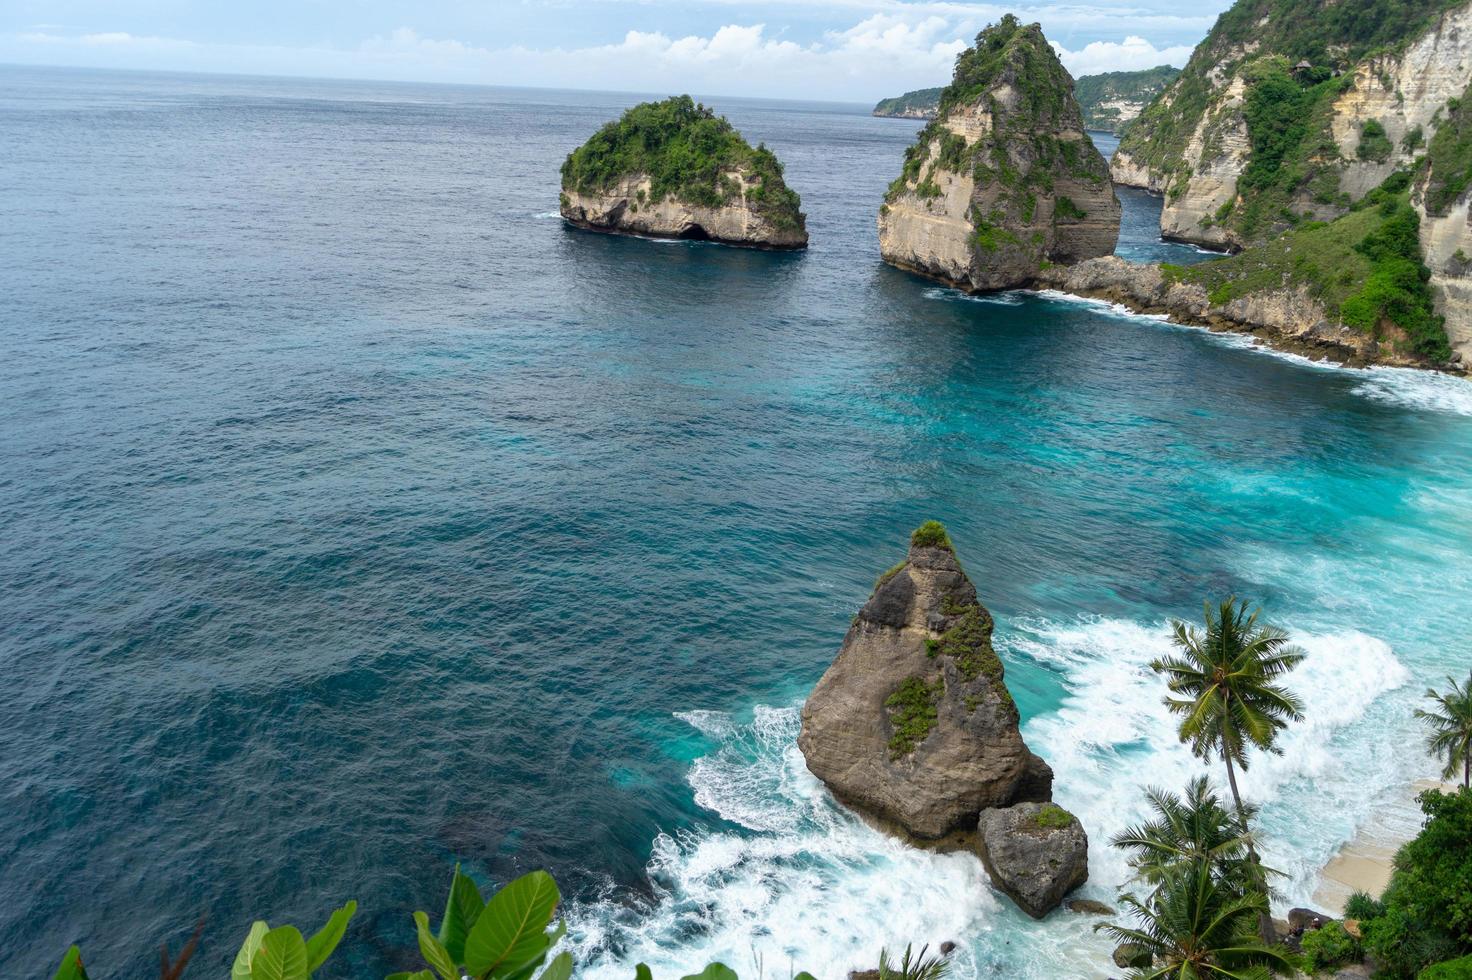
[
  {"x": 1135, "y": 87},
  {"x": 1024, "y": 153},
  {"x": 1287, "y": 103},
  {"x": 1365, "y": 268},
  {"x": 911, "y": 104},
  {"x": 912, "y": 714},
  {"x": 688, "y": 153},
  {"x": 1448, "y": 170}
]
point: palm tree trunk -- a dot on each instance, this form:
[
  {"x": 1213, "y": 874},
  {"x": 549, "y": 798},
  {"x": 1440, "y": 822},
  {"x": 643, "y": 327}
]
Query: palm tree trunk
[
  {"x": 1467, "y": 770},
  {"x": 1264, "y": 919}
]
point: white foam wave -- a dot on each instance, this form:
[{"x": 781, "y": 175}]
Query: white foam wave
[
  {"x": 546, "y": 215},
  {"x": 1010, "y": 298},
  {"x": 1422, "y": 390},
  {"x": 1103, "y": 306},
  {"x": 802, "y": 883},
  {"x": 1112, "y": 736}
]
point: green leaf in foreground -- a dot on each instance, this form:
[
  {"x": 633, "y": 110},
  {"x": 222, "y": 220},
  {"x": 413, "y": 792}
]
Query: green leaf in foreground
[
  {"x": 241, "y": 969},
  {"x": 512, "y": 930},
  {"x": 282, "y": 956},
  {"x": 434, "y": 951},
  {"x": 325, "y": 940},
  {"x": 71, "y": 966}
]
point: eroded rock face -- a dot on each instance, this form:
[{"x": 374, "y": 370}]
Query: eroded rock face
[
  {"x": 1005, "y": 180},
  {"x": 1036, "y": 853},
  {"x": 1289, "y": 318},
  {"x": 913, "y": 721},
  {"x": 627, "y": 207},
  {"x": 1193, "y": 143}
]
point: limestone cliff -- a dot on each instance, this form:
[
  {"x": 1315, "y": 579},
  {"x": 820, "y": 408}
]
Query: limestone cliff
[
  {"x": 1005, "y": 180},
  {"x": 913, "y": 722},
  {"x": 674, "y": 169},
  {"x": 1295, "y": 108},
  {"x": 1443, "y": 199}
]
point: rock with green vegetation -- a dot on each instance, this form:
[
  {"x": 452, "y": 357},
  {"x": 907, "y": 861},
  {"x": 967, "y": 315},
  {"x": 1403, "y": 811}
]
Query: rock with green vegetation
[
  {"x": 1354, "y": 289},
  {"x": 1035, "y": 853},
  {"x": 919, "y": 104},
  {"x": 913, "y": 721},
  {"x": 674, "y": 169},
  {"x": 1293, "y": 110},
  {"x": 1114, "y": 99},
  {"x": 1004, "y": 181}
]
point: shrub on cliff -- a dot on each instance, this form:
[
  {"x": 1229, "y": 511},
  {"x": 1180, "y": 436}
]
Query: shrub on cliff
[{"x": 1329, "y": 946}]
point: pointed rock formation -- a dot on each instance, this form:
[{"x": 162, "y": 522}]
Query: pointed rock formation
[
  {"x": 1005, "y": 181},
  {"x": 913, "y": 721}
]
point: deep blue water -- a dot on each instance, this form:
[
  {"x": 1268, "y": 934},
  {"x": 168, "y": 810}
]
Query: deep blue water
[{"x": 359, "y": 517}]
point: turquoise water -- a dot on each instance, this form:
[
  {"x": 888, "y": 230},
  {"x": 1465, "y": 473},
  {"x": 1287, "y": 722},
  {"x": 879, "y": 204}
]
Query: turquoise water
[{"x": 360, "y": 517}]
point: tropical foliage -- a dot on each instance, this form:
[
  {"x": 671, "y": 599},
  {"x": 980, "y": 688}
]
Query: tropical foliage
[
  {"x": 506, "y": 937},
  {"x": 1186, "y": 831},
  {"x": 1425, "y": 915},
  {"x": 1451, "y": 729},
  {"x": 1223, "y": 686},
  {"x": 1197, "y": 927}
]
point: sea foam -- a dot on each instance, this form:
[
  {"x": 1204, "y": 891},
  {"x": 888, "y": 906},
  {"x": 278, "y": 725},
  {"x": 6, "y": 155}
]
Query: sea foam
[{"x": 798, "y": 882}]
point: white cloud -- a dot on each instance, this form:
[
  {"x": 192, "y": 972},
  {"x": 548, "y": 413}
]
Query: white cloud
[
  {"x": 1131, "y": 54},
  {"x": 885, "y": 53}
]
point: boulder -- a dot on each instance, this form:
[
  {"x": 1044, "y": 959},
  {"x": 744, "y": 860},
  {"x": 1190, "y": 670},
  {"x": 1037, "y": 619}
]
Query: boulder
[
  {"x": 1035, "y": 853},
  {"x": 1131, "y": 956},
  {"x": 1300, "y": 920},
  {"x": 1087, "y": 906},
  {"x": 913, "y": 722}
]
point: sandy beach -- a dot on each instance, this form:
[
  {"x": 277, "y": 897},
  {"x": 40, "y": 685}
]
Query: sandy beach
[{"x": 1364, "y": 863}]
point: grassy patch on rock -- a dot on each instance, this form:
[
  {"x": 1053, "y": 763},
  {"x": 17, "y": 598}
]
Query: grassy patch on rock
[
  {"x": 931, "y": 534},
  {"x": 1053, "y": 817},
  {"x": 912, "y": 714},
  {"x": 1365, "y": 268}
]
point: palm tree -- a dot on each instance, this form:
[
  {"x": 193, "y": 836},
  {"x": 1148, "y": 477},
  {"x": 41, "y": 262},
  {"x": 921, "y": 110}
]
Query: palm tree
[
  {"x": 1451, "y": 729},
  {"x": 913, "y": 966},
  {"x": 1185, "y": 830},
  {"x": 1196, "y": 927},
  {"x": 1223, "y": 678}
]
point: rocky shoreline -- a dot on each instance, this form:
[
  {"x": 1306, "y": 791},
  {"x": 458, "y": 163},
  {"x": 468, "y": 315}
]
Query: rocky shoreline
[{"x": 1288, "y": 320}]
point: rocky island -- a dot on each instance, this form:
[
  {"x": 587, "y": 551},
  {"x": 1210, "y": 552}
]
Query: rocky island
[
  {"x": 913, "y": 725},
  {"x": 1108, "y": 101},
  {"x": 1004, "y": 181},
  {"x": 919, "y": 104},
  {"x": 1287, "y": 119},
  {"x": 674, "y": 169}
]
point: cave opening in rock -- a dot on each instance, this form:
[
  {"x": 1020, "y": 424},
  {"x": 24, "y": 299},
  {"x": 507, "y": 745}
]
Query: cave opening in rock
[{"x": 694, "y": 233}]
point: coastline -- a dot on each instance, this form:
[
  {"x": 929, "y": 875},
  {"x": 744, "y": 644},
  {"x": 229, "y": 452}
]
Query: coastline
[
  {"x": 1366, "y": 860},
  {"x": 1286, "y": 320}
]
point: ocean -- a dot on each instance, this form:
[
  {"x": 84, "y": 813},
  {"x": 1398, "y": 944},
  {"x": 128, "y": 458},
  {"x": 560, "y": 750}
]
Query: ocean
[{"x": 360, "y": 518}]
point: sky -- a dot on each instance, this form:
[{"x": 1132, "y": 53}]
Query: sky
[{"x": 844, "y": 50}]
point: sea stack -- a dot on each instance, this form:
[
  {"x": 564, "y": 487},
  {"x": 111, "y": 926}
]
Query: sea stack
[
  {"x": 1004, "y": 181},
  {"x": 913, "y": 724},
  {"x": 674, "y": 169}
]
